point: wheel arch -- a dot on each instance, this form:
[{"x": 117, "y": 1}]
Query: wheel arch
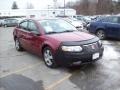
[
  {"x": 43, "y": 47},
  {"x": 15, "y": 37},
  {"x": 101, "y": 28}
]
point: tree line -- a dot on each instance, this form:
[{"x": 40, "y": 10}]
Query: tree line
[{"x": 95, "y": 7}]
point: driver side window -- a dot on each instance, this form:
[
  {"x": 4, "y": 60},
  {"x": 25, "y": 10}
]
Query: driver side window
[
  {"x": 32, "y": 26},
  {"x": 113, "y": 20}
]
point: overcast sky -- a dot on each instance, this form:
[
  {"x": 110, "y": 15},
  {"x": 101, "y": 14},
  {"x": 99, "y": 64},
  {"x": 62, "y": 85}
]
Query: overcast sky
[{"x": 38, "y": 4}]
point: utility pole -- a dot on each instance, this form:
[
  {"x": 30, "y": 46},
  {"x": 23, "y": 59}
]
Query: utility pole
[
  {"x": 48, "y": 9},
  {"x": 64, "y": 7},
  {"x": 55, "y": 6},
  {"x": 55, "y": 2}
]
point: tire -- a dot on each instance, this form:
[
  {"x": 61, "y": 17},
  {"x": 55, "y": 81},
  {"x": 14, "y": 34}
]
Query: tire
[
  {"x": 101, "y": 34},
  {"x": 17, "y": 45},
  {"x": 49, "y": 58},
  {"x": 5, "y": 26}
]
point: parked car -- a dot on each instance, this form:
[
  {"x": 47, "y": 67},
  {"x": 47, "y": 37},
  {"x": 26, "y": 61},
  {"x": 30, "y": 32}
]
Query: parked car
[
  {"x": 1, "y": 22},
  {"x": 10, "y": 22},
  {"x": 106, "y": 27},
  {"x": 77, "y": 23},
  {"x": 85, "y": 19},
  {"x": 59, "y": 42}
]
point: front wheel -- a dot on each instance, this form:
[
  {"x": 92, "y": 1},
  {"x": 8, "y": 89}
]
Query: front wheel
[
  {"x": 49, "y": 58},
  {"x": 101, "y": 34}
]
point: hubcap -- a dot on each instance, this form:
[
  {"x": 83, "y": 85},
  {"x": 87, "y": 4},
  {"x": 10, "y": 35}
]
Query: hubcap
[
  {"x": 48, "y": 57},
  {"x": 100, "y": 34},
  {"x": 5, "y": 25},
  {"x": 17, "y": 44}
]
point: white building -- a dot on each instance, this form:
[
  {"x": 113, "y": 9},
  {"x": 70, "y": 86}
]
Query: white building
[{"x": 37, "y": 13}]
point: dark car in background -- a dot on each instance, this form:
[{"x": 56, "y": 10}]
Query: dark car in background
[
  {"x": 59, "y": 42},
  {"x": 1, "y": 22},
  {"x": 10, "y": 22},
  {"x": 106, "y": 27}
]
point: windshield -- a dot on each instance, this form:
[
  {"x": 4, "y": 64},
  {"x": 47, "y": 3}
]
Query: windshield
[{"x": 57, "y": 26}]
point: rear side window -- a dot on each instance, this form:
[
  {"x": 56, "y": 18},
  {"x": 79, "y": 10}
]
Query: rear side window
[
  {"x": 110, "y": 19},
  {"x": 23, "y": 25},
  {"x": 14, "y": 21},
  {"x": 104, "y": 19},
  {"x": 113, "y": 19}
]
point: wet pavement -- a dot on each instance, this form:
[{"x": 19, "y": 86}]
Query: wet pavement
[{"x": 25, "y": 71}]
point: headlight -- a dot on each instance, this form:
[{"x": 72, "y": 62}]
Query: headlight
[
  {"x": 100, "y": 43},
  {"x": 72, "y": 48}
]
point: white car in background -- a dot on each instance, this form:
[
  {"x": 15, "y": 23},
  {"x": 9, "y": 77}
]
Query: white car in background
[{"x": 77, "y": 23}]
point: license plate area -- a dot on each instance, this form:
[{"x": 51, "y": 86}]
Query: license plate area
[{"x": 95, "y": 56}]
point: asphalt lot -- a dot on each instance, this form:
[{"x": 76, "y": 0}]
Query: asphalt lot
[{"x": 24, "y": 71}]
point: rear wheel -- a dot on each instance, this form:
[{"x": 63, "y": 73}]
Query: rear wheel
[
  {"x": 5, "y": 26},
  {"x": 101, "y": 34},
  {"x": 49, "y": 58},
  {"x": 17, "y": 45}
]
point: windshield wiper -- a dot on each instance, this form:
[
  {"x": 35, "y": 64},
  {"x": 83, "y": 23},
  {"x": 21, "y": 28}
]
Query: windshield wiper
[
  {"x": 51, "y": 32},
  {"x": 69, "y": 31},
  {"x": 60, "y": 32}
]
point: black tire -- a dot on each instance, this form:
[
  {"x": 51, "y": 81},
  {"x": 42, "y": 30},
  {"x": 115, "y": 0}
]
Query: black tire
[
  {"x": 5, "y": 26},
  {"x": 101, "y": 34},
  {"x": 18, "y": 45},
  {"x": 49, "y": 58}
]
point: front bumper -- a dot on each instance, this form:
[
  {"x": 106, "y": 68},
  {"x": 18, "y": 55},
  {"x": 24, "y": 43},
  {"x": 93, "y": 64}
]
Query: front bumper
[{"x": 86, "y": 56}]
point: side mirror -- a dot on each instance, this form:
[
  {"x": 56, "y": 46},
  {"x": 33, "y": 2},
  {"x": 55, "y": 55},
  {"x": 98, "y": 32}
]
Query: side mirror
[
  {"x": 35, "y": 33},
  {"x": 17, "y": 26}
]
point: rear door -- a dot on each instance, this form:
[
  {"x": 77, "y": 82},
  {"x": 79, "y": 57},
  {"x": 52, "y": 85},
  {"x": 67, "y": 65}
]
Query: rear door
[{"x": 24, "y": 35}]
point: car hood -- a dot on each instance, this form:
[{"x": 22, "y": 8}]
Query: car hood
[
  {"x": 71, "y": 36},
  {"x": 76, "y": 23}
]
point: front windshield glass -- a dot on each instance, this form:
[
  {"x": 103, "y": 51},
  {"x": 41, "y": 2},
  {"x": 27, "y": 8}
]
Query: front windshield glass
[{"x": 57, "y": 26}]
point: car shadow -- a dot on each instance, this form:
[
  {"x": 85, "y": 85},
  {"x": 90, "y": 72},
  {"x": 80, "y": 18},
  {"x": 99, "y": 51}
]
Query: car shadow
[{"x": 19, "y": 82}]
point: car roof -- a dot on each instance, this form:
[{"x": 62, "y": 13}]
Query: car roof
[
  {"x": 38, "y": 19},
  {"x": 114, "y": 16}
]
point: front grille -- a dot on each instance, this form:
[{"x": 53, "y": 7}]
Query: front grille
[{"x": 92, "y": 46}]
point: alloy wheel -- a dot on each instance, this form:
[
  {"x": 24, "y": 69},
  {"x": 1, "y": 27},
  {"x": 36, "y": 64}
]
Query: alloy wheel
[
  {"x": 101, "y": 34},
  {"x": 48, "y": 57},
  {"x": 17, "y": 45}
]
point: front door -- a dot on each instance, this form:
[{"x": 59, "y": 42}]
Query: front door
[
  {"x": 113, "y": 27},
  {"x": 35, "y": 37}
]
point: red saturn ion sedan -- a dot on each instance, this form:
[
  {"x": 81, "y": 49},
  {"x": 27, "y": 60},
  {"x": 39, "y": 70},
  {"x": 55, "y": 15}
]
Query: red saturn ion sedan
[{"x": 57, "y": 41}]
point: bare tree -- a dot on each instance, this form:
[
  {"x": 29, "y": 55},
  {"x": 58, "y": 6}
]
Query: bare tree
[
  {"x": 91, "y": 7},
  {"x": 117, "y": 7},
  {"x": 85, "y": 7},
  {"x": 104, "y": 7},
  {"x": 30, "y": 6}
]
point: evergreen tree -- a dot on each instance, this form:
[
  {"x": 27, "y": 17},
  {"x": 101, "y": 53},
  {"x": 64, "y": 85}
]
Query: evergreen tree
[{"x": 14, "y": 5}]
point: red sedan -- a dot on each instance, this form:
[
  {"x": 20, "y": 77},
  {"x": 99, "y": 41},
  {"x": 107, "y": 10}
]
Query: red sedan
[{"x": 57, "y": 41}]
